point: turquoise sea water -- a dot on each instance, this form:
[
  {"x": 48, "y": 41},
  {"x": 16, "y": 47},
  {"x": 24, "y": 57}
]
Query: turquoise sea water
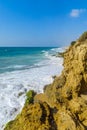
[
  {"x": 23, "y": 69},
  {"x": 18, "y": 58}
]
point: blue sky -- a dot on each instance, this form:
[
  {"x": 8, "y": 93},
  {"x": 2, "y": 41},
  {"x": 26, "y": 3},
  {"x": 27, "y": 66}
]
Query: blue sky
[{"x": 41, "y": 22}]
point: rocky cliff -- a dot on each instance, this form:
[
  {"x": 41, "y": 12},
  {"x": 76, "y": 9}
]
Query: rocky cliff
[{"x": 63, "y": 105}]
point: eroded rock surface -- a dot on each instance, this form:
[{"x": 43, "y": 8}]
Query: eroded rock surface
[{"x": 63, "y": 105}]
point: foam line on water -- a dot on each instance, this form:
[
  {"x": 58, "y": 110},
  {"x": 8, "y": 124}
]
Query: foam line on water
[{"x": 16, "y": 83}]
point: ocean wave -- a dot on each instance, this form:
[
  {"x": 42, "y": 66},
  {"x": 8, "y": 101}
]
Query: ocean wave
[
  {"x": 14, "y": 66},
  {"x": 14, "y": 85}
]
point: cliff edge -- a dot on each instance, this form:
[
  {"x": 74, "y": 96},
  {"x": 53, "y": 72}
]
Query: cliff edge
[{"x": 63, "y": 105}]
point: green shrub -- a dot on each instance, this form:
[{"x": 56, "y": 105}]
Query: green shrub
[
  {"x": 73, "y": 42},
  {"x": 83, "y": 37},
  {"x": 8, "y": 125},
  {"x": 30, "y": 96}
]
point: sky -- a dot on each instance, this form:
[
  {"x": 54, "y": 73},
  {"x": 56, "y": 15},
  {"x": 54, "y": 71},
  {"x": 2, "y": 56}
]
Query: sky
[{"x": 41, "y": 22}]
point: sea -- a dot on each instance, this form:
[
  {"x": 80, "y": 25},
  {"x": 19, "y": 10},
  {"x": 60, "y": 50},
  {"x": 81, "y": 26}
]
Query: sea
[{"x": 23, "y": 69}]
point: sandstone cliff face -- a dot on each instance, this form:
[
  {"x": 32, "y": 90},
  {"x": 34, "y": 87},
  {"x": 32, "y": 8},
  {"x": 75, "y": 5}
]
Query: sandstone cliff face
[{"x": 63, "y": 105}]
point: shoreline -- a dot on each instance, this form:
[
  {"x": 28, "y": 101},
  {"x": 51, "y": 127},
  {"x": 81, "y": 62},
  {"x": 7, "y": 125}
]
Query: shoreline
[
  {"x": 44, "y": 77},
  {"x": 63, "y": 105}
]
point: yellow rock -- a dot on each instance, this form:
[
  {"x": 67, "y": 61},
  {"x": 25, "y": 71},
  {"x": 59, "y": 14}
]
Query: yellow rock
[{"x": 63, "y": 105}]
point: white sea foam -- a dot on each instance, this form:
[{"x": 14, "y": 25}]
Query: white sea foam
[{"x": 14, "y": 84}]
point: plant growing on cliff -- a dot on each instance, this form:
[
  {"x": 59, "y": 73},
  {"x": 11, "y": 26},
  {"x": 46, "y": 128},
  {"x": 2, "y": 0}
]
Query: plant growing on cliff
[
  {"x": 7, "y": 127},
  {"x": 83, "y": 37},
  {"x": 30, "y": 96},
  {"x": 73, "y": 42}
]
